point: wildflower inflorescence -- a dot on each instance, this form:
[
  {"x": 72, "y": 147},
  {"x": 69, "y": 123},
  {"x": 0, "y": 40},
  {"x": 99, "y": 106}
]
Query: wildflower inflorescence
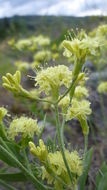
[
  {"x": 56, "y": 163},
  {"x": 25, "y": 126},
  {"x": 51, "y": 79}
]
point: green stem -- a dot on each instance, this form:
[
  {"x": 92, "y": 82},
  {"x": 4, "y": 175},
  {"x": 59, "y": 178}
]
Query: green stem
[
  {"x": 55, "y": 139},
  {"x": 27, "y": 161},
  {"x": 38, "y": 184},
  {"x": 42, "y": 130},
  {"x": 26, "y": 94},
  {"x": 53, "y": 174},
  {"x": 61, "y": 144},
  {"x": 85, "y": 143},
  {"x": 5, "y": 145},
  {"x": 68, "y": 90}
]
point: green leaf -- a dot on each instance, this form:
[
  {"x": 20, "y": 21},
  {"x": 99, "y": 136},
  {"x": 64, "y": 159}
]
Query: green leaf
[
  {"x": 87, "y": 163},
  {"x": 50, "y": 144},
  {"x": 13, "y": 148},
  {"x": 16, "y": 151},
  {"x": 6, "y": 159},
  {"x": 13, "y": 177},
  {"x": 101, "y": 182}
]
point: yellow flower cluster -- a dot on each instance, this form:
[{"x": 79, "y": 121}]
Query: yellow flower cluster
[
  {"x": 51, "y": 79},
  {"x": 102, "y": 88},
  {"x": 31, "y": 43},
  {"x": 64, "y": 103},
  {"x": 102, "y": 31},
  {"x": 41, "y": 40},
  {"x": 25, "y": 126},
  {"x": 23, "y": 44},
  {"x": 43, "y": 55},
  {"x": 80, "y": 92},
  {"x": 56, "y": 163},
  {"x": 81, "y": 48},
  {"x": 73, "y": 159},
  {"x": 22, "y": 65},
  {"x": 3, "y": 112},
  {"x": 79, "y": 109}
]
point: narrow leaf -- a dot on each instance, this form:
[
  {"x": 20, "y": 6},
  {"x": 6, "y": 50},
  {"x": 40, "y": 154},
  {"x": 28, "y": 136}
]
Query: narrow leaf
[
  {"x": 13, "y": 177},
  {"x": 102, "y": 172},
  {"x": 87, "y": 163}
]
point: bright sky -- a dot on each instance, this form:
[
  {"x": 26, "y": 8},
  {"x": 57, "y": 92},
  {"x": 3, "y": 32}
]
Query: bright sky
[{"x": 53, "y": 7}]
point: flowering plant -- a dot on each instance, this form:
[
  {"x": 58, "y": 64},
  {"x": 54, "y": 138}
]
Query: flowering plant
[{"x": 52, "y": 167}]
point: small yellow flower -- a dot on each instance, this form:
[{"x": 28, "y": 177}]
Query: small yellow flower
[{"x": 80, "y": 92}]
